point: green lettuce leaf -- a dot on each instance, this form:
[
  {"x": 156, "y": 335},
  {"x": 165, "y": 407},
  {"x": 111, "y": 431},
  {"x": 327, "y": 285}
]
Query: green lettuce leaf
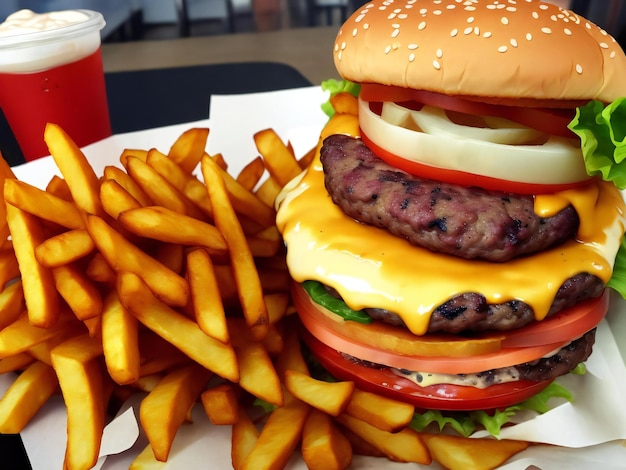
[
  {"x": 618, "y": 278},
  {"x": 602, "y": 132},
  {"x": 466, "y": 423},
  {"x": 337, "y": 86}
]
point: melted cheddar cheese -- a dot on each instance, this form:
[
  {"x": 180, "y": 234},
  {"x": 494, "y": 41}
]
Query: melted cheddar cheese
[{"x": 369, "y": 267}]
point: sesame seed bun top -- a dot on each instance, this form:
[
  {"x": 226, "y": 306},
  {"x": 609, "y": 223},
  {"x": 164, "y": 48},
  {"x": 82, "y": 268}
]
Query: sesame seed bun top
[{"x": 498, "y": 49}]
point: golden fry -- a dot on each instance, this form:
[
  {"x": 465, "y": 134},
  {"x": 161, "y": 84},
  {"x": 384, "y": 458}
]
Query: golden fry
[
  {"x": 220, "y": 404},
  {"x": 64, "y": 248},
  {"x": 75, "y": 168},
  {"x": 205, "y": 296},
  {"x": 279, "y": 160},
  {"x": 19, "y": 362},
  {"x": 122, "y": 256},
  {"x": 176, "y": 328},
  {"x": 120, "y": 341},
  {"x": 165, "y": 408},
  {"x": 82, "y": 296},
  {"x": 189, "y": 148},
  {"x": 11, "y": 303},
  {"x": 168, "y": 226},
  {"x": 9, "y": 268},
  {"x": 81, "y": 379},
  {"x": 113, "y": 173},
  {"x": 459, "y": 453},
  {"x": 279, "y": 437},
  {"x": 246, "y": 276},
  {"x": 402, "y": 446},
  {"x": 379, "y": 411},
  {"x": 42, "y": 204},
  {"x": 243, "y": 439},
  {"x": 28, "y": 393},
  {"x": 251, "y": 174},
  {"x": 324, "y": 447},
  {"x": 42, "y": 299},
  {"x": 115, "y": 199},
  {"x": 330, "y": 397}
]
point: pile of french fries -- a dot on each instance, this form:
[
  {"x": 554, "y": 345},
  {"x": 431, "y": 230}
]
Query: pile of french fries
[{"x": 153, "y": 279}]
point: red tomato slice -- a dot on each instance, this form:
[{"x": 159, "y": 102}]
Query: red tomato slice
[
  {"x": 308, "y": 311},
  {"x": 437, "y": 397},
  {"x": 552, "y": 120},
  {"x": 465, "y": 179},
  {"x": 566, "y": 325}
]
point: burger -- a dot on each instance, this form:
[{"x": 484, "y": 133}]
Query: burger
[{"x": 454, "y": 241}]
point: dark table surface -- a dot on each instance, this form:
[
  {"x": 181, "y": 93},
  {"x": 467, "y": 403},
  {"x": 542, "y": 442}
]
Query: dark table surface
[{"x": 160, "y": 97}]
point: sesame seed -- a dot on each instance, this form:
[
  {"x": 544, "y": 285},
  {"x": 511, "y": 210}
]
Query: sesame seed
[
  {"x": 395, "y": 33},
  {"x": 354, "y": 32},
  {"x": 487, "y": 34},
  {"x": 476, "y": 30},
  {"x": 411, "y": 57},
  {"x": 439, "y": 53},
  {"x": 529, "y": 37},
  {"x": 504, "y": 20},
  {"x": 503, "y": 49},
  {"x": 403, "y": 16},
  {"x": 437, "y": 12},
  {"x": 546, "y": 30},
  {"x": 543, "y": 7},
  {"x": 387, "y": 49},
  {"x": 454, "y": 32},
  {"x": 612, "y": 55},
  {"x": 412, "y": 46},
  {"x": 553, "y": 17},
  {"x": 567, "y": 31},
  {"x": 511, "y": 9},
  {"x": 535, "y": 15},
  {"x": 422, "y": 25},
  {"x": 436, "y": 65},
  {"x": 579, "y": 69},
  {"x": 468, "y": 30},
  {"x": 513, "y": 42},
  {"x": 423, "y": 11},
  {"x": 470, "y": 19},
  {"x": 604, "y": 45}
]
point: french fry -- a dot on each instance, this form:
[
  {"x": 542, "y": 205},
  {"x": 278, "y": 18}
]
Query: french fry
[
  {"x": 379, "y": 411},
  {"x": 249, "y": 287},
  {"x": 99, "y": 270},
  {"x": 42, "y": 204},
  {"x": 251, "y": 174},
  {"x": 458, "y": 453},
  {"x": 345, "y": 103},
  {"x": 205, "y": 296},
  {"x": 279, "y": 160},
  {"x": 257, "y": 373},
  {"x": 42, "y": 299},
  {"x": 9, "y": 268},
  {"x": 28, "y": 393},
  {"x": 279, "y": 437},
  {"x": 64, "y": 248},
  {"x": 122, "y": 255},
  {"x": 75, "y": 168},
  {"x": 18, "y": 362},
  {"x": 120, "y": 341},
  {"x": 171, "y": 255},
  {"x": 245, "y": 202},
  {"x": 165, "y": 408},
  {"x": 146, "y": 460},
  {"x": 168, "y": 226},
  {"x": 402, "y": 446},
  {"x": 188, "y": 149},
  {"x": 324, "y": 447},
  {"x": 141, "y": 154},
  {"x": 176, "y": 328},
  {"x": 11, "y": 303},
  {"x": 113, "y": 173},
  {"x": 58, "y": 187},
  {"x": 82, "y": 296},
  {"x": 243, "y": 439},
  {"x": 268, "y": 190},
  {"x": 159, "y": 189},
  {"x": 220, "y": 404},
  {"x": 115, "y": 199},
  {"x": 81, "y": 379},
  {"x": 330, "y": 397}
]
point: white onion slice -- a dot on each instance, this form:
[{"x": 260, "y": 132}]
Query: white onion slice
[
  {"x": 435, "y": 121},
  {"x": 557, "y": 161}
]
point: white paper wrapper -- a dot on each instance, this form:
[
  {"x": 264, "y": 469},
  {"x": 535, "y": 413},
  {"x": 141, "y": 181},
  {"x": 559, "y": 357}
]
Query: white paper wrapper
[{"x": 589, "y": 432}]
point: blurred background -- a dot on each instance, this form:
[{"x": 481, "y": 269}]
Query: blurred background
[{"x": 132, "y": 20}]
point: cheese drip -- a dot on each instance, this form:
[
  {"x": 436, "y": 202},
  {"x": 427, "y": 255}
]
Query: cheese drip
[{"x": 369, "y": 267}]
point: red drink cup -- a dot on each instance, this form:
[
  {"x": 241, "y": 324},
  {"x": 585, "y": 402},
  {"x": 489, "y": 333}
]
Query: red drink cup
[{"x": 54, "y": 75}]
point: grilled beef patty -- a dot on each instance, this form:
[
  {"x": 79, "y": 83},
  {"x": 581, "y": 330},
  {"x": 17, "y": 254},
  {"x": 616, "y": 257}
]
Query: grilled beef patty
[{"x": 468, "y": 222}]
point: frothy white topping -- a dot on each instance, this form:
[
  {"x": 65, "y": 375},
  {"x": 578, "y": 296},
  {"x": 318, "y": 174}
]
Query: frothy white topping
[{"x": 27, "y": 21}]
